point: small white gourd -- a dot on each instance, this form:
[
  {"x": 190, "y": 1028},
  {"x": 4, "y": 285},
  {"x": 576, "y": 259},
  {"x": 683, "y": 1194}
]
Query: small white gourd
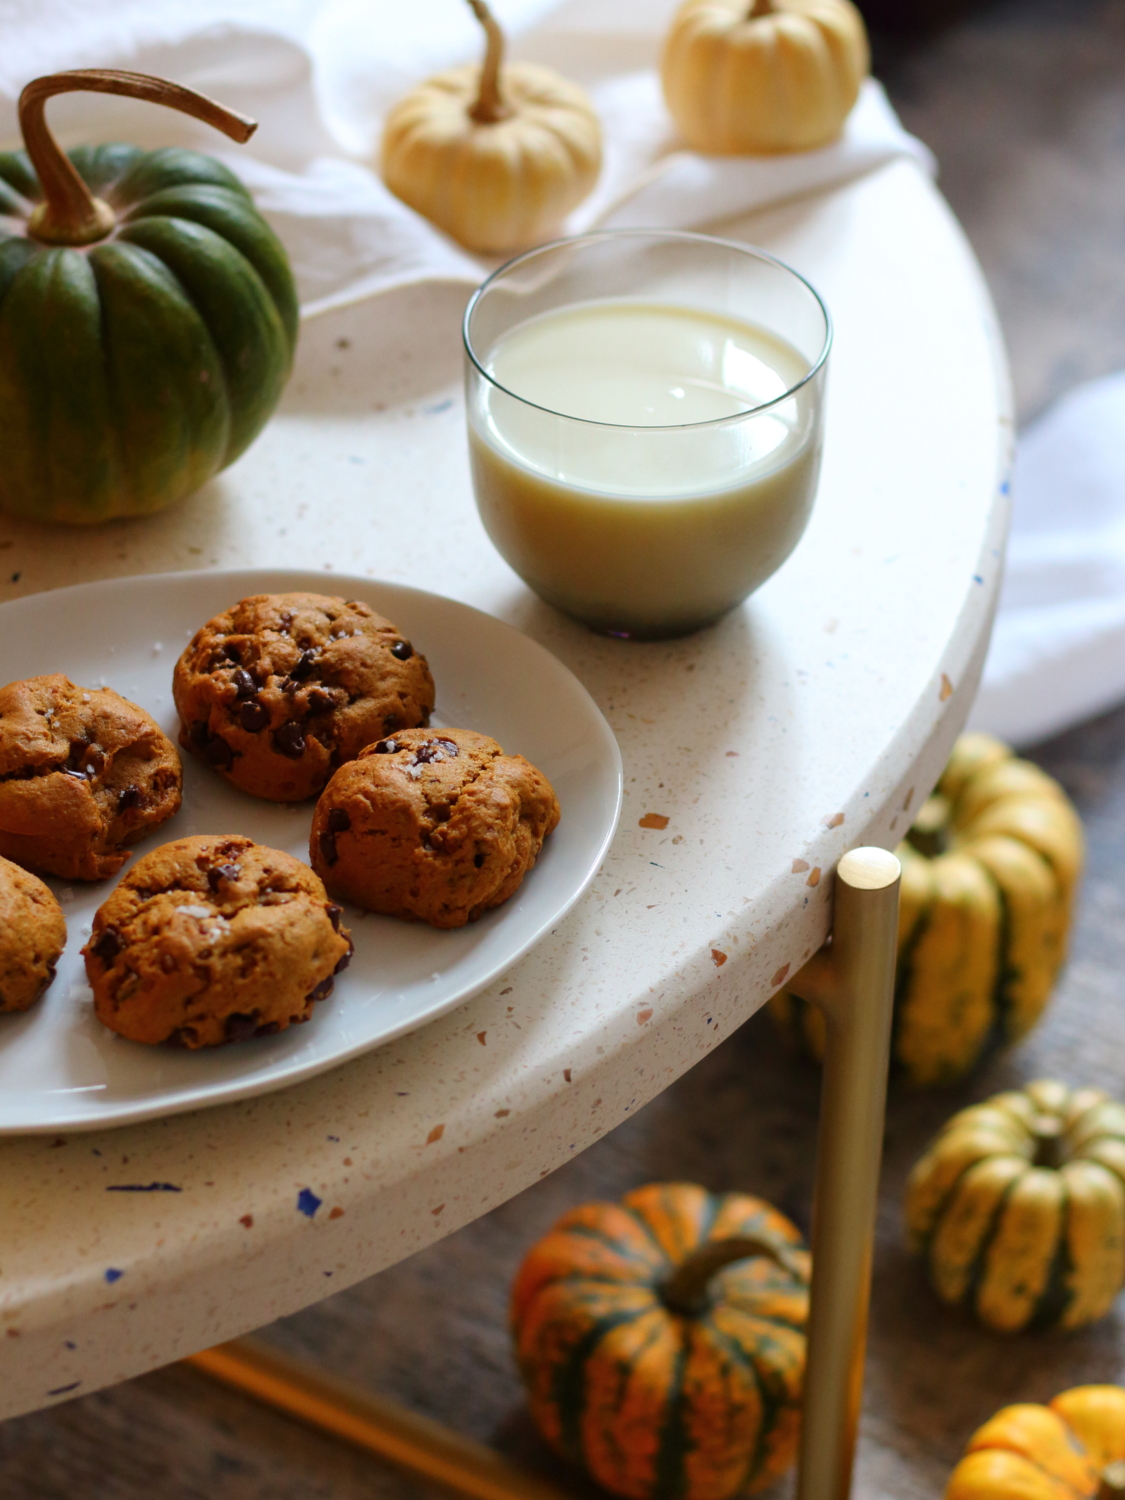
[
  {"x": 495, "y": 155},
  {"x": 753, "y": 77}
]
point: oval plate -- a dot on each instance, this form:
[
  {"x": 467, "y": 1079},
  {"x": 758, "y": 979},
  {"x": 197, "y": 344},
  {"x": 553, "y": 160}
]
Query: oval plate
[{"x": 60, "y": 1068}]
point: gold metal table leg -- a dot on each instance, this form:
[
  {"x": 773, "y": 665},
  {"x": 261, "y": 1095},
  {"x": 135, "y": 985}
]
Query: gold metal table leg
[
  {"x": 853, "y": 984},
  {"x": 412, "y": 1442}
]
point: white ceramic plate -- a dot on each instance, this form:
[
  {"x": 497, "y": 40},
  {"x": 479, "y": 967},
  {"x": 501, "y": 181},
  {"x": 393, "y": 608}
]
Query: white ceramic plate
[{"x": 60, "y": 1068}]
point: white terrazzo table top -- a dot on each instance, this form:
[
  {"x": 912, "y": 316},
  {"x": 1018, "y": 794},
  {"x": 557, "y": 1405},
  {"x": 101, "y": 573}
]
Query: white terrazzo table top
[{"x": 812, "y": 720}]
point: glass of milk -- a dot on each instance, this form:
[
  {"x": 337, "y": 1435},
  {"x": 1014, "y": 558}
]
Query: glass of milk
[{"x": 645, "y": 423}]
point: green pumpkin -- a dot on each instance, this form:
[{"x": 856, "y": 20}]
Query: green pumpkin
[{"x": 135, "y": 367}]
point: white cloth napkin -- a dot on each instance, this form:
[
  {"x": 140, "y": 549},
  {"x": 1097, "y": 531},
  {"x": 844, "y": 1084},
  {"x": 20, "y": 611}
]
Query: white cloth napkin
[
  {"x": 320, "y": 74},
  {"x": 1058, "y": 649}
]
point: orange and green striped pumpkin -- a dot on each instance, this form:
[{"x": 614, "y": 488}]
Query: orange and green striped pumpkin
[{"x": 661, "y": 1340}]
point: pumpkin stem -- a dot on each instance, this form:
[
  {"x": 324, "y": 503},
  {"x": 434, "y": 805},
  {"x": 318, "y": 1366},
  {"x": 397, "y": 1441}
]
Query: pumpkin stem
[
  {"x": 490, "y": 107},
  {"x": 1112, "y": 1481},
  {"x": 1050, "y": 1149},
  {"x": 760, "y": 8},
  {"x": 69, "y": 213},
  {"x": 685, "y": 1291}
]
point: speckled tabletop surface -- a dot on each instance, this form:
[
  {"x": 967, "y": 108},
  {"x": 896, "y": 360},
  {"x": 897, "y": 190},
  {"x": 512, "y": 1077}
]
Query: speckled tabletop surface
[{"x": 1040, "y": 205}]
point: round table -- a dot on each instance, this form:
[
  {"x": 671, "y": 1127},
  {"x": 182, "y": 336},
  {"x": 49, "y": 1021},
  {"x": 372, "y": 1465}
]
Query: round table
[{"x": 812, "y": 720}]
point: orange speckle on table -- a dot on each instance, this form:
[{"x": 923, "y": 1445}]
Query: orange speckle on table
[
  {"x": 437, "y": 1210},
  {"x": 732, "y": 752},
  {"x": 337, "y": 1213},
  {"x": 247, "y": 1221},
  {"x": 834, "y": 820},
  {"x": 13, "y": 1333},
  {"x": 566, "y": 1075},
  {"x": 800, "y": 866},
  {"x": 502, "y": 1114},
  {"x": 718, "y": 957},
  {"x": 653, "y": 820},
  {"x": 779, "y": 977},
  {"x": 814, "y": 877},
  {"x": 435, "y": 1134},
  {"x": 946, "y": 689},
  {"x": 481, "y": 1038},
  {"x": 643, "y": 1016}
]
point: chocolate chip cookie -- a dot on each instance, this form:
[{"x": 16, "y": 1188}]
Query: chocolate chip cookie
[
  {"x": 211, "y": 940},
  {"x": 32, "y": 936},
  {"x": 436, "y": 826},
  {"x": 84, "y": 773},
  {"x": 283, "y": 688}
]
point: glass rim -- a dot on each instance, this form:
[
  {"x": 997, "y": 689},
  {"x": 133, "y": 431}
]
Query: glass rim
[{"x": 753, "y": 252}]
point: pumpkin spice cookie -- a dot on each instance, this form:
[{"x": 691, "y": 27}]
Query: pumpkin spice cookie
[
  {"x": 277, "y": 692},
  {"x": 32, "y": 937},
  {"x": 436, "y": 826},
  {"x": 84, "y": 773},
  {"x": 211, "y": 940}
]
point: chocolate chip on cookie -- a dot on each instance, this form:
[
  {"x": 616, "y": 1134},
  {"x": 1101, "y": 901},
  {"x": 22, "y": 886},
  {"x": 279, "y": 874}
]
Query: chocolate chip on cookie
[
  {"x": 277, "y": 692},
  {"x": 84, "y": 773},
  {"x": 32, "y": 937},
  {"x": 431, "y": 825},
  {"x": 212, "y": 940}
]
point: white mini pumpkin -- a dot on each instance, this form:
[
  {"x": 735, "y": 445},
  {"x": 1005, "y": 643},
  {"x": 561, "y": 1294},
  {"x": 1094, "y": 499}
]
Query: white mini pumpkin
[
  {"x": 496, "y": 156},
  {"x": 752, "y": 77}
]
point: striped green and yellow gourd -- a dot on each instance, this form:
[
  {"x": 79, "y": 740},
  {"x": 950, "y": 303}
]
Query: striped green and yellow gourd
[
  {"x": 661, "y": 1341},
  {"x": 989, "y": 871},
  {"x": 1018, "y": 1207}
]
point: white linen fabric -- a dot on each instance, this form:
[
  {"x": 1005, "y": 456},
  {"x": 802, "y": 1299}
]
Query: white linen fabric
[
  {"x": 1058, "y": 648},
  {"x": 319, "y": 75}
]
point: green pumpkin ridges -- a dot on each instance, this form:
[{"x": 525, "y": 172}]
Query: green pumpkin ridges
[
  {"x": 102, "y": 166},
  {"x": 904, "y": 970},
  {"x": 172, "y": 166},
  {"x": 233, "y": 303},
  {"x": 1001, "y": 1031},
  {"x": 51, "y": 340},
  {"x": 1058, "y": 1294},
  {"x": 241, "y": 225},
  {"x": 771, "y": 1408},
  {"x": 174, "y": 418},
  {"x": 17, "y": 172},
  {"x": 668, "y": 1471},
  {"x": 977, "y": 1271},
  {"x": 14, "y": 255},
  {"x": 568, "y": 1383}
]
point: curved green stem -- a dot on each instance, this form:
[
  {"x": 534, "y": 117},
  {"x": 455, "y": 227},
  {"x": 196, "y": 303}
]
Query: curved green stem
[
  {"x": 685, "y": 1291},
  {"x": 69, "y": 213}
]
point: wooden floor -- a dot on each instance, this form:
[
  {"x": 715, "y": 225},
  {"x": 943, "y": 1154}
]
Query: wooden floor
[{"x": 1025, "y": 106}]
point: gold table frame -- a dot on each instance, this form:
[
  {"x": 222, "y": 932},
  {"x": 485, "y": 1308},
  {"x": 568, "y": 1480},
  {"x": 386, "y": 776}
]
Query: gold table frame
[{"x": 855, "y": 991}]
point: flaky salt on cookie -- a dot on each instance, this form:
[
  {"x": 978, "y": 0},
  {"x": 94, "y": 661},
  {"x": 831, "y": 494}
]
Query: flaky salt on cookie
[
  {"x": 211, "y": 940},
  {"x": 435, "y": 826}
]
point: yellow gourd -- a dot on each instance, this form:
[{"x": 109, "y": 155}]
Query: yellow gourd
[
  {"x": 751, "y": 77},
  {"x": 1018, "y": 1206},
  {"x": 496, "y": 156},
  {"x": 1073, "y": 1449},
  {"x": 989, "y": 871}
]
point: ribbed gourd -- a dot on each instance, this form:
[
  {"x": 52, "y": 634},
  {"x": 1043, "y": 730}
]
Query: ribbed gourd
[
  {"x": 148, "y": 315},
  {"x": 989, "y": 872},
  {"x": 496, "y": 155},
  {"x": 1071, "y": 1449},
  {"x": 1018, "y": 1207},
  {"x": 752, "y": 77},
  {"x": 661, "y": 1341}
]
